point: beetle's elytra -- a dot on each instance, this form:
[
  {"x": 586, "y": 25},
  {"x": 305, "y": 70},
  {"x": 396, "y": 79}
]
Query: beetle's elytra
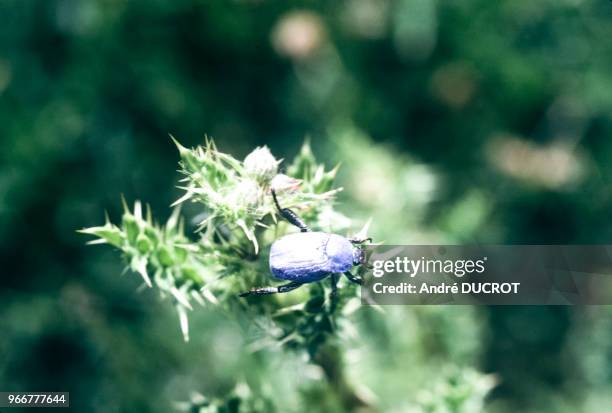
[{"x": 308, "y": 256}]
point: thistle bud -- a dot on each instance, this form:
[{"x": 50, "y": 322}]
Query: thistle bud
[
  {"x": 261, "y": 165},
  {"x": 143, "y": 244},
  {"x": 165, "y": 256},
  {"x": 130, "y": 226},
  {"x": 247, "y": 193},
  {"x": 283, "y": 182}
]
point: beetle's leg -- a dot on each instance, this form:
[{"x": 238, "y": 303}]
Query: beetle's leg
[
  {"x": 289, "y": 215},
  {"x": 352, "y": 278},
  {"x": 285, "y": 288},
  {"x": 360, "y": 241},
  {"x": 334, "y": 284},
  {"x": 333, "y": 297}
]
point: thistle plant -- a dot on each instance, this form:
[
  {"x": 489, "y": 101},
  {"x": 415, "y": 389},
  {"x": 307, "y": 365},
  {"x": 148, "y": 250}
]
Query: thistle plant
[
  {"x": 240, "y": 399},
  {"x": 456, "y": 390},
  {"x": 227, "y": 253}
]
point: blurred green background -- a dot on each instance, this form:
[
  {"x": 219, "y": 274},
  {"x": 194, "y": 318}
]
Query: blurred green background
[{"x": 455, "y": 122}]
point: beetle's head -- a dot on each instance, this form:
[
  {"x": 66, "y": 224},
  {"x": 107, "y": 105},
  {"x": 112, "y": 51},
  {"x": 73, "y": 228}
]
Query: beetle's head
[
  {"x": 359, "y": 255},
  {"x": 358, "y": 240}
]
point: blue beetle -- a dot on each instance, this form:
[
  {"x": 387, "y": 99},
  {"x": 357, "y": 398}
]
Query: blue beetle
[{"x": 307, "y": 256}]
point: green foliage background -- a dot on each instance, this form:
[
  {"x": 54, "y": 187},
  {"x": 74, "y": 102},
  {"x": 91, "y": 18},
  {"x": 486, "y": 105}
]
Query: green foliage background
[{"x": 462, "y": 122}]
